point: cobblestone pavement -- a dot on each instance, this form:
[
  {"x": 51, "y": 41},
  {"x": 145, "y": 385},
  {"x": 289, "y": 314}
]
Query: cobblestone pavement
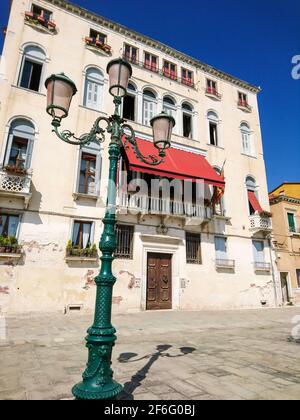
[{"x": 158, "y": 355}]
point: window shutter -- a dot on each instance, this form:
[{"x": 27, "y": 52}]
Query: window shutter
[
  {"x": 98, "y": 173},
  {"x": 8, "y": 149},
  {"x": 29, "y": 153}
]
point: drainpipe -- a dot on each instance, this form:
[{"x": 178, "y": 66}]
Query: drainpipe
[{"x": 272, "y": 252}]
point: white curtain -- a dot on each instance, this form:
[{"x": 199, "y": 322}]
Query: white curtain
[
  {"x": 75, "y": 233},
  {"x": 258, "y": 251},
  {"x": 13, "y": 225},
  {"x": 86, "y": 234},
  {"x": 220, "y": 246}
]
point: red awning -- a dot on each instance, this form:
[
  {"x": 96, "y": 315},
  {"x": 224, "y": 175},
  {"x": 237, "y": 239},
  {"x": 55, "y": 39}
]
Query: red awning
[
  {"x": 254, "y": 201},
  {"x": 177, "y": 164}
]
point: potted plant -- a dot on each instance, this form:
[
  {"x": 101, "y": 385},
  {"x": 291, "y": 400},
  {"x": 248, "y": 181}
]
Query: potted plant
[
  {"x": 69, "y": 248},
  {"x": 94, "y": 251},
  {"x": 2, "y": 244},
  {"x": 15, "y": 170},
  {"x": 89, "y": 40},
  {"x": 29, "y": 15},
  {"x": 265, "y": 213},
  {"x": 51, "y": 25},
  {"x": 41, "y": 19}
]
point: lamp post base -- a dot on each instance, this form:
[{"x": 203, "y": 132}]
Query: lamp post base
[{"x": 92, "y": 391}]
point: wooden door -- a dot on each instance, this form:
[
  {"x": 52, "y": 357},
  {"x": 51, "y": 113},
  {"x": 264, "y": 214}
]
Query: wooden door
[{"x": 159, "y": 281}]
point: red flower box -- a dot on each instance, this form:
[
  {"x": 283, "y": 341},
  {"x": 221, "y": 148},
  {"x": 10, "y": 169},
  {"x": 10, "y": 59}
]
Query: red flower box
[
  {"x": 29, "y": 15},
  {"x": 51, "y": 24}
]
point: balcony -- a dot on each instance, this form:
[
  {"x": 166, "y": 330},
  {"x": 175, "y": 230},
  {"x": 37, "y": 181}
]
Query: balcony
[
  {"x": 40, "y": 22},
  {"x": 98, "y": 45},
  {"x": 158, "y": 206},
  {"x": 262, "y": 267},
  {"x": 162, "y": 72},
  {"x": 260, "y": 223},
  {"x": 213, "y": 93},
  {"x": 244, "y": 106},
  {"x": 15, "y": 185},
  {"x": 225, "y": 264}
]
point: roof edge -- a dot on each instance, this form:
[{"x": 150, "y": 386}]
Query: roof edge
[{"x": 94, "y": 17}]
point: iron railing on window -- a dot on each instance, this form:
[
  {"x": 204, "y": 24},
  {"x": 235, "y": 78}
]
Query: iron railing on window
[
  {"x": 193, "y": 249},
  {"x": 154, "y": 68},
  {"x": 124, "y": 235},
  {"x": 262, "y": 266}
]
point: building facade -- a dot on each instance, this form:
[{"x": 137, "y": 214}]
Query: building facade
[
  {"x": 52, "y": 195},
  {"x": 285, "y": 208}
]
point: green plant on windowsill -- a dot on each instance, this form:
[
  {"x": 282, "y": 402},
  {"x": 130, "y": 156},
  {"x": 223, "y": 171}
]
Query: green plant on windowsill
[
  {"x": 75, "y": 251},
  {"x": 9, "y": 245}
]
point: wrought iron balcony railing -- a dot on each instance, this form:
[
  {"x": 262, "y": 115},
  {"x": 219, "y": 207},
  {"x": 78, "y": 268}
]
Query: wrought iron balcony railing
[
  {"x": 260, "y": 223},
  {"x": 153, "y": 205},
  {"x": 13, "y": 184},
  {"x": 244, "y": 106},
  {"x": 154, "y": 68},
  {"x": 225, "y": 263},
  {"x": 213, "y": 92}
]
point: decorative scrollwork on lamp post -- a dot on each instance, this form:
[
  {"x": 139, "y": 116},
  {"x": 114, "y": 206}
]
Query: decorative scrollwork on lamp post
[{"x": 98, "y": 380}]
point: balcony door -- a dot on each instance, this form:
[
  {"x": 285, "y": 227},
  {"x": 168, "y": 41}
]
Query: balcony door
[{"x": 159, "y": 281}]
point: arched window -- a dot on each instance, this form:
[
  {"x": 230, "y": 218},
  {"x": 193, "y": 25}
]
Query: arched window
[
  {"x": 20, "y": 144},
  {"x": 129, "y": 103},
  {"x": 252, "y": 192},
  {"x": 169, "y": 106},
  {"x": 213, "y": 121},
  {"x": 93, "y": 90},
  {"x": 32, "y": 67},
  {"x": 149, "y": 106},
  {"x": 89, "y": 169},
  {"x": 187, "y": 120},
  {"x": 246, "y": 138}
]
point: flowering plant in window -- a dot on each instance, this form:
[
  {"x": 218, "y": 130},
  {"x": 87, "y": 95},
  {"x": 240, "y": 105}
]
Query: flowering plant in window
[
  {"x": 75, "y": 251},
  {"x": 15, "y": 170},
  {"x": 94, "y": 42},
  {"x": 265, "y": 213},
  {"x": 9, "y": 245},
  {"x": 41, "y": 20}
]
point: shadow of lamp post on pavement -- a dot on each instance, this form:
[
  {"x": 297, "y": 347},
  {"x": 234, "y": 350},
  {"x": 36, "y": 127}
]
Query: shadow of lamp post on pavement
[
  {"x": 98, "y": 383},
  {"x": 141, "y": 374}
]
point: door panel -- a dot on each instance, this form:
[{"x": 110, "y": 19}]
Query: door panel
[{"x": 159, "y": 281}]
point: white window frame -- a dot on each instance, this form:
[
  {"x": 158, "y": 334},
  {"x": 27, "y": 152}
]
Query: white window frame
[
  {"x": 217, "y": 122},
  {"x": 33, "y": 60},
  {"x": 132, "y": 93},
  {"x": 190, "y": 113},
  {"x": 149, "y": 100},
  {"x": 93, "y": 151},
  {"x": 23, "y": 134},
  {"x": 95, "y": 106}
]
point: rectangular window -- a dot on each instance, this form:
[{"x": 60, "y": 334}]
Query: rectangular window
[
  {"x": 87, "y": 181},
  {"x": 193, "y": 248},
  {"x": 170, "y": 70},
  {"x": 243, "y": 100},
  {"x": 31, "y": 75},
  {"x": 18, "y": 152},
  {"x": 187, "y": 126},
  {"x": 213, "y": 133},
  {"x": 131, "y": 53},
  {"x": 82, "y": 234},
  {"x": 149, "y": 111},
  {"x": 291, "y": 221},
  {"x": 187, "y": 77},
  {"x": 93, "y": 95},
  {"x": 258, "y": 252},
  {"x": 129, "y": 107},
  {"x": 298, "y": 277},
  {"x": 124, "y": 242},
  {"x": 151, "y": 62},
  {"x": 40, "y": 12},
  {"x": 211, "y": 87},
  {"x": 221, "y": 249},
  {"x": 9, "y": 225},
  {"x": 98, "y": 37}
]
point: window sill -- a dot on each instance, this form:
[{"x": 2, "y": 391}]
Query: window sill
[
  {"x": 249, "y": 156},
  {"x": 81, "y": 259},
  {"x": 213, "y": 96},
  {"x": 28, "y": 90},
  {"x": 41, "y": 28},
  {"x": 11, "y": 256},
  {"x": 78, "y": 196},
  {"x": 216, "y": 147},
  {"x": 92, "y": 109}
]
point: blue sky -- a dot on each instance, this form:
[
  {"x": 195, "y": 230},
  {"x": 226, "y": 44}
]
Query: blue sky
[{"x": 254, "y": 40}]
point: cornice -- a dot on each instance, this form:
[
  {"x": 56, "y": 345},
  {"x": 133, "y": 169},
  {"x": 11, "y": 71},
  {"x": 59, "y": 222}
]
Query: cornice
[
  {"x": 280, "y": 198},
  {"x": 104, "y": 22}
]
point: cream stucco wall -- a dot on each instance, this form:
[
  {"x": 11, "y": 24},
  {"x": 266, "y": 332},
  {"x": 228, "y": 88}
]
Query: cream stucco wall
[{"x": 42, "y": 279}]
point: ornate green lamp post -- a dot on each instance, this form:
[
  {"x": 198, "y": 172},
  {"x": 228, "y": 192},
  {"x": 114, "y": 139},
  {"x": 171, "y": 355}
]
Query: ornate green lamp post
[{"x": 98, "y": 380}]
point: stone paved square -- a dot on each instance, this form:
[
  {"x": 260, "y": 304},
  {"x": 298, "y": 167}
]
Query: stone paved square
[{"x": 162, "y": 355}]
